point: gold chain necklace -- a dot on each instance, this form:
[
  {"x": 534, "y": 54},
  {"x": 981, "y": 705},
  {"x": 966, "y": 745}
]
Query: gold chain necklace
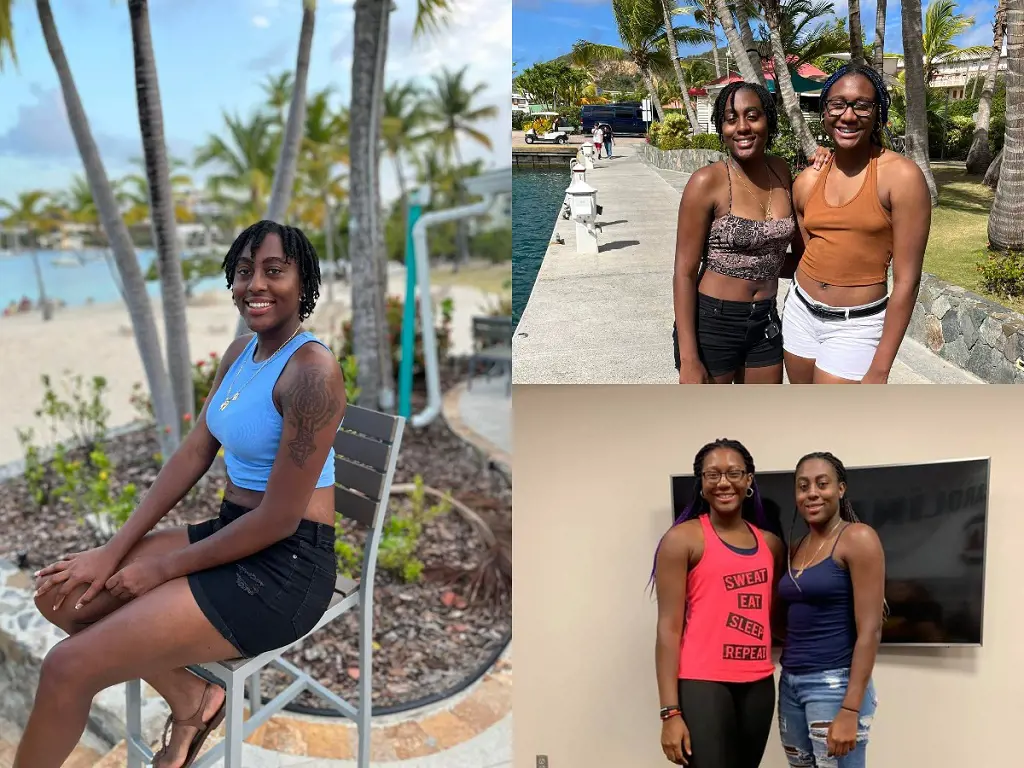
[
  {"x": 825, "y": 541},
  {"x": 766, "y": 211},
  {"x": 230, "y": 398}
]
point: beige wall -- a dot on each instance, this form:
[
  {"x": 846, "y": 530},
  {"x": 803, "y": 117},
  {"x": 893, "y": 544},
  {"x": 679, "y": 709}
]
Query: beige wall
[{"x": 591, "y": 483}]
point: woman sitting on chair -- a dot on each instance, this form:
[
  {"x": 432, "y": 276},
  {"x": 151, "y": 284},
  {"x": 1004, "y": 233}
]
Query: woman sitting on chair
[{"x": 259, "y": 576}]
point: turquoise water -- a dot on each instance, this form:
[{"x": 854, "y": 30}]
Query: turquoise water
[
  {"x": 76, "y": 285},
  {"x": 537, "y": 196}
]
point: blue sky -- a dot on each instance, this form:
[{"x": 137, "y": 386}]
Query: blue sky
[
  {"x": 544, "y": 29},
  {"x": 212, "y": 57}
]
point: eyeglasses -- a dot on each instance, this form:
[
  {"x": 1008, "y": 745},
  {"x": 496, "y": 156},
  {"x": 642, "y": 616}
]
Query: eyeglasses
[
  {"x": 861, "y": 107},
  {"x": 714, "y": 476}
]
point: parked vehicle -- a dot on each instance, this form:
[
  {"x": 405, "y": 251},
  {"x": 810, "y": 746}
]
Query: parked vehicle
[
  {"x": 559, "y": 123},
  {"x": 553, "y": 136},
  {"x": 624, "y": 117}
]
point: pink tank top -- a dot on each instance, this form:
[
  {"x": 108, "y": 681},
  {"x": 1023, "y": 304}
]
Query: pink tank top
[{"x": 726, "y": 636}]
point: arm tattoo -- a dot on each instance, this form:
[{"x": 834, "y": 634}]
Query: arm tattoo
[{"x": 311, "y": 405}]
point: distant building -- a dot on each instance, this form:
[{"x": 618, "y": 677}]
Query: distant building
[
  {"x": 520, "y": 102},
  {"x": 952, "y": 73}
]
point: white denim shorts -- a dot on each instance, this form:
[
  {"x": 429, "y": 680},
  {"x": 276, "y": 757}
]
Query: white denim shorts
[{"x": 843, "y": 348}]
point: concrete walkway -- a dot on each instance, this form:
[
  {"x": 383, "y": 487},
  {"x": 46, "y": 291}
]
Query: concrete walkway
[{"x": 607, "y": 319}]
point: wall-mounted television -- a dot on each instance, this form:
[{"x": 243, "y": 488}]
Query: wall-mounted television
[{"x": 931, "y": 519}]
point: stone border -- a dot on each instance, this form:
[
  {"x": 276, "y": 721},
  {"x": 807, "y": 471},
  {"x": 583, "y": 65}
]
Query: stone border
[
  {"x": 682, "y": 160},
  {"x": 968, "y": 330}
]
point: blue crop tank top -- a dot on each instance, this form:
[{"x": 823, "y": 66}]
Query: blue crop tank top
[
  {"x": 249, "y": 429},
  {"x": 821, "y": 627}
]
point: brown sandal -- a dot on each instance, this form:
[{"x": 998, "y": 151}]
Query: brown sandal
[{"x": 196, "y": 721}]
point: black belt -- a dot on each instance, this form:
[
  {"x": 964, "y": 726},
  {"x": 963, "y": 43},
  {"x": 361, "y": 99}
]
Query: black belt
[{"x": 827, "y": 313}]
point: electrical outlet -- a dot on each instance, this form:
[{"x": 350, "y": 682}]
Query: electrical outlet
[{"x": 542, "y": 761}]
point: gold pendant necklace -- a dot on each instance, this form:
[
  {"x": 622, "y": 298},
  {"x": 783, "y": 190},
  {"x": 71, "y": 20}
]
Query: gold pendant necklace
[
  {"x": 824, "y": 541},
  {"x": 766, "y": 211},
  {"x": 230, "y": 398}
]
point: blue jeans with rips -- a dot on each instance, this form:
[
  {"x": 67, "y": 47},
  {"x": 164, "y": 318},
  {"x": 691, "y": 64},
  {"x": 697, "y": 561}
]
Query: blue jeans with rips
[{"x": 807, "y": 705}]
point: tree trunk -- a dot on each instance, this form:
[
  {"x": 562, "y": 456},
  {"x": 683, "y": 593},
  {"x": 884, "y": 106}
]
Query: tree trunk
[
  {"x": 288, "y": 158},
  {"x": 878, "y": 55},
  {"x": 992, "y": 174},
  {"x": 653, "y": 92},
  {"x": 714, "y": 50},
  {"x": 856, "y": 34},
  {"x": 784, "y": 83},
  {"x": 161, "y": 212},
  {"x": 979, "y": 157},
  {"x": 387, "y": 358},
  {"x": 684, "y": 89},
  {"x": 141, "y": 312},
  {"x": 44, "y": 303},
  {"x": 917, "y": 111},
  {"x": 739, "y": 53},
  {"x": 287, "y": 161},
  {"x": 1005, "y": 232},
  {"x": 367, "y": 317},
  {"x": 749, "y": 46}
]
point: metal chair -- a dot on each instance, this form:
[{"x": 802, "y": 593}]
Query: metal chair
[
  {"x": 492, "y": 337},
  {"x": 367, "y": 446}
]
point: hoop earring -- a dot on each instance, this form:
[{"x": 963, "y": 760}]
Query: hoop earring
[{"x": 750, "y": 492}]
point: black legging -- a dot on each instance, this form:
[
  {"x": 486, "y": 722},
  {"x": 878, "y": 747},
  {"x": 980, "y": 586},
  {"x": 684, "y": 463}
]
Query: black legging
[{"x": 729, "y": 722}]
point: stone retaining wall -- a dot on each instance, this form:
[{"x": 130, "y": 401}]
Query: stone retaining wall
[
  {"x": 683, "y": 160},
  {"x": 969, "y": 331}
]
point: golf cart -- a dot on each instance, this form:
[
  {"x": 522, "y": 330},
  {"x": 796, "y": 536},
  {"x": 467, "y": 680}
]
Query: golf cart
[{"x": 559, "y": 133}]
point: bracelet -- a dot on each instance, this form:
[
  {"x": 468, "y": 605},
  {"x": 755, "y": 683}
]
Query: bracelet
[
  {"x": 667, "y": 713},
  {"x": 851, "y": 709}
]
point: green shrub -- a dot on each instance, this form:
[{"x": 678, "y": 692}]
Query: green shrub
[
  {"x": 787, "y": 146},
  {"x": 674, "y": 127},
  {"x": 518, "y": 119},
  {"x": 1003, "y": 274},
  {"x": 706, "y": 141},
  {"x": 652, "y": 133},
  {"x": 673, "y": 142}
]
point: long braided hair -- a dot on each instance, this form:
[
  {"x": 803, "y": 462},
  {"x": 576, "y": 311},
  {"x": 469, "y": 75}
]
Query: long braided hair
[
  {"x": 882, "y": 98},
  {"x": 846, "y": 512},
  {"x": 726, "y": 98},
  {"x": 752, "y": 511},
  {"x": 296, "y": 248}
]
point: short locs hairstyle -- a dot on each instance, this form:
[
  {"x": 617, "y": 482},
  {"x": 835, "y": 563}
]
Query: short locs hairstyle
[
  {"x": 725, "y": 100},
  {"x": 882, "y": 98},
  {"x": 296, "y": 248}
]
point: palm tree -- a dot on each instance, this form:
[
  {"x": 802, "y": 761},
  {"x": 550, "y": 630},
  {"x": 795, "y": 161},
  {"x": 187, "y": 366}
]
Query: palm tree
[
  {"x": 403, "y": 127},
  {"x": 684, "y": 88},
  {"x": 28, "y": 213},
  {"x": 917, "y": 105},
  {"x": 244, "y": 161},
  {"x": 1005, "y": 232},
  {"x": 161, "y": 199},
  {"x": 783, "y": 81},
  {"x": 979, "y": 157},
  {"x": 856, "y": 34},
  {"x": 941, "y": 24},
  {"x": 288, "y": 159},
  {"x": 805, "y": 36},
  {"x": 369, "y": 56},
  {"x": 278, "y": 90},
  {"x": 878, "y": 54},
  {"x": 704, "y": 14},
  {"x": 750, "y": 72},
  {"x": 744, "y": 10},
  {"x": 132, "y": 280}
]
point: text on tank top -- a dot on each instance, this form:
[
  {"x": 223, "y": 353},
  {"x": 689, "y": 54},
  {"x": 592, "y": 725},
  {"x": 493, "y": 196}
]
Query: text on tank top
[{"x": 727, "y": 630}]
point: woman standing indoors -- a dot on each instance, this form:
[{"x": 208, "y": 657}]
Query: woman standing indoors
[
  {"x": 834, "y": 596},
  {"x": 714, "y": 574},
  {"x": 735, "y": 225},
  {"x": 865, "y": 209}
]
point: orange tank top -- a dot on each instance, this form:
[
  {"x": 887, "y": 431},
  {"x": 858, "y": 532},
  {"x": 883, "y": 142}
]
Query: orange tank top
[
  {"x": 727, "y": 634},
  {"x": 851, "y": 244}
]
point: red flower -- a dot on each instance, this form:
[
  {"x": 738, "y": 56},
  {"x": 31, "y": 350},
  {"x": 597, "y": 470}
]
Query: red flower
[
  {"x": 187, "y": 417},
  {"x": 167, "y": 430},
  {"x": 200, "y": 364},
  {"x": 213, "y": 355}
]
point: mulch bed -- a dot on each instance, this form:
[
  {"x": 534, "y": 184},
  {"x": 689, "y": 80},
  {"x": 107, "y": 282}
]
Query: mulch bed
[{"x": 428, "y": 638}]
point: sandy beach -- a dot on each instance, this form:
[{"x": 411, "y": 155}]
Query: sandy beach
[{"x": 98, "y": 340}]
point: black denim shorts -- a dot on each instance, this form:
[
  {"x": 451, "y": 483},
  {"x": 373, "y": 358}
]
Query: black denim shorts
[
  {"x": 735, "y": 334},
  {"x": 272, "y": 598}
]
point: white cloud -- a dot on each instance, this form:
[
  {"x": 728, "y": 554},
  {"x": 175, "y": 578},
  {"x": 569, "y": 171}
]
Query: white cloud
[{"x": 260, "y": 21}]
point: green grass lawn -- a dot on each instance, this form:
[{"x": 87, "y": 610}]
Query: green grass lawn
[{"x": 959, "y": 236}]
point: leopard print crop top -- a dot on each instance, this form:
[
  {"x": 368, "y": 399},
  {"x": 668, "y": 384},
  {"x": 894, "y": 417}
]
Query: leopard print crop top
[{"x": 746, "y": 248}]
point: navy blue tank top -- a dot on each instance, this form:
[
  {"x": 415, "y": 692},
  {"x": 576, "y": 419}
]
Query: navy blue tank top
[{"x": 821, "y": 628}]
